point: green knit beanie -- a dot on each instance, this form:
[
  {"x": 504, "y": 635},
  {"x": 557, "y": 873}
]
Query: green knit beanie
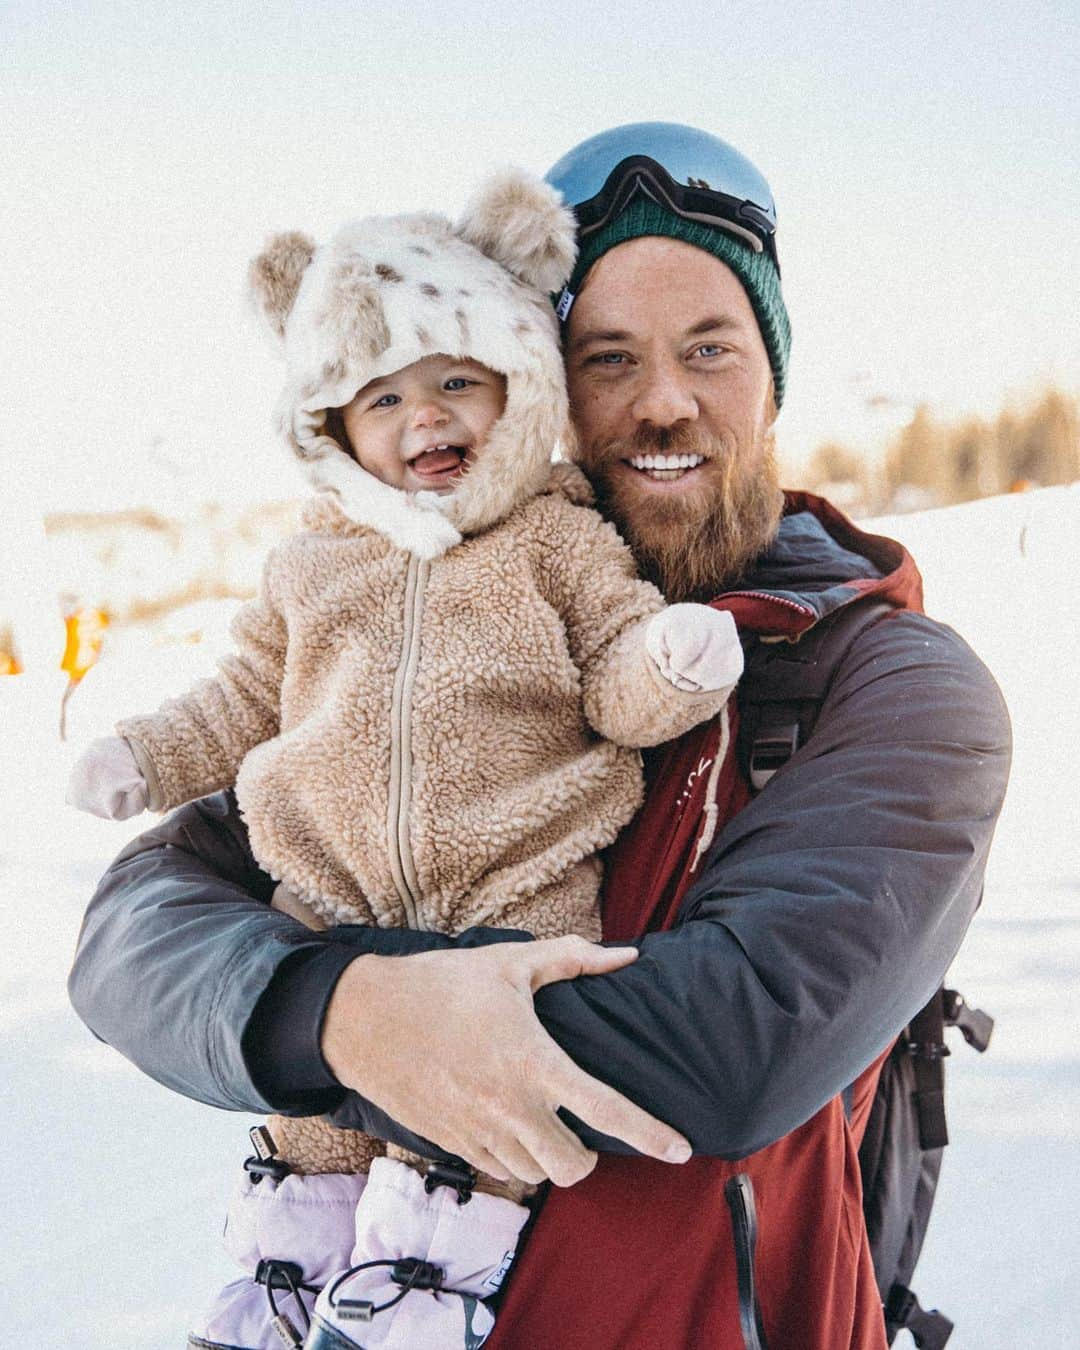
[{"x": 756, "y": 271}]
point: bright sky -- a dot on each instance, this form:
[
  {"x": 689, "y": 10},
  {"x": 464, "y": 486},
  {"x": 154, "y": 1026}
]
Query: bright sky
[{"x": 923, "y": 157}]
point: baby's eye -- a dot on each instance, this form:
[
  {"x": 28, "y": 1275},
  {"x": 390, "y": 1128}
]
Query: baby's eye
[
  {"x": 387, "y": 401},
  {"x": 456, "y": 382}
]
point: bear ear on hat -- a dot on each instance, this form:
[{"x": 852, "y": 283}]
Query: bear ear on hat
[
  {"x": 274, "y": 276},
  {"x": 519, "y": 221}
]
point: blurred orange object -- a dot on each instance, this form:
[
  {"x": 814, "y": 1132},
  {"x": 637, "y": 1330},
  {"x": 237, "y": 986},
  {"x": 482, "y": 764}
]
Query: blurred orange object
[
  {"x": 9, "y": 662},
  {"x": 85, "y": 633}
]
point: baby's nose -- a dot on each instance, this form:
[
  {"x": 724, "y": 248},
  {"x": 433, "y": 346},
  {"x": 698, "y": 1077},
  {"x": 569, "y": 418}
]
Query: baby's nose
[{"x": 430, "y": 414}]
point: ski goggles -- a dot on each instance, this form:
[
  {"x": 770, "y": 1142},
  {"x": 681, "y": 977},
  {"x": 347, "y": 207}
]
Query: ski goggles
[{"x": 693, "y": 174}]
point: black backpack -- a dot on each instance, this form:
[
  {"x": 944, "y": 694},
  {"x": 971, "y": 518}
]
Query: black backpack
[{"x": 900, "y": 1156}]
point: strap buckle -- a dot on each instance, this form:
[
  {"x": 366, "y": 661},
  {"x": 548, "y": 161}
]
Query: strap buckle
[
  {"x": 771, "y": 750},
  {"x": 460, "y": 1177},
  {"x": 264, "y": 1162},
  {"x": 930, "y": 1051},
  {"x": 976, "y": 1026},
  {"x": 929, "y": 1328}
]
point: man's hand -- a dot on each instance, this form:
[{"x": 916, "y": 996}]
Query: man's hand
[{"x": 448, "y": 1043}]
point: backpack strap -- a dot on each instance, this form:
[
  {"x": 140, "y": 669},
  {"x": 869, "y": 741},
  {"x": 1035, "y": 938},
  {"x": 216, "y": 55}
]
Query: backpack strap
[
  {"x": 785, "y": 683},
  {"x": 925, "y": 1043}
]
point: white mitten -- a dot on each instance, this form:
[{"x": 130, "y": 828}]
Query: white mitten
[
  {"x": 106, "y": 781},
  {"x": 695, "y": 647}
]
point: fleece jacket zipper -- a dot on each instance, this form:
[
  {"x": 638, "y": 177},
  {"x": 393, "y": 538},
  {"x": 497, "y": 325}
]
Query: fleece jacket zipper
[
  {"x": 402, "y": 864},
  {"x": 739, "y": 1194}
]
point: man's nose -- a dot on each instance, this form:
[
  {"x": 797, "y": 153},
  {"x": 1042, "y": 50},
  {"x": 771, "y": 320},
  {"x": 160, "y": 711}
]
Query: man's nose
[{"x": 665, "y": 398}]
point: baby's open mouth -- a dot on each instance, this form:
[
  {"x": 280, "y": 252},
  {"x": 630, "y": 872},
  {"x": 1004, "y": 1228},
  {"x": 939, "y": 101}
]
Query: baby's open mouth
[
  {"x": 665, "y": 468},
  {"x": 441, "y": 461}
]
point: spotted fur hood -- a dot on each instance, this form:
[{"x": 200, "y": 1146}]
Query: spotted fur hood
[{"x": 386, "y": 291}]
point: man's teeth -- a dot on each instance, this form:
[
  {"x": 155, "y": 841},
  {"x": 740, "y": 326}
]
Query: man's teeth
[{"x": 666, "y": 463}]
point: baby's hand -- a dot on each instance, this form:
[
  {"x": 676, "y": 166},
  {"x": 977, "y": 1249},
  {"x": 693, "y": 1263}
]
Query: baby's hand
[
  {"x": 106, "y": 781},
  {"x": 695, "y": 647}
]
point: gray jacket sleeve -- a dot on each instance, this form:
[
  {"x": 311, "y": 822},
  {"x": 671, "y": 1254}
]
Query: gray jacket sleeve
[{"x": 827, "y": 913}]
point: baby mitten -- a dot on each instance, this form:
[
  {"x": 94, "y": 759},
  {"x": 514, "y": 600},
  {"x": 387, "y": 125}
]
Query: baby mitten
[
  {"x": 695, "y": 647},
  {"x": 106, "y": 781}
]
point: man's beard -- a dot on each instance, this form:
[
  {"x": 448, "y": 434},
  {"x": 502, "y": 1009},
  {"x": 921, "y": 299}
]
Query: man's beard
[{"x": 697, "y": 542}]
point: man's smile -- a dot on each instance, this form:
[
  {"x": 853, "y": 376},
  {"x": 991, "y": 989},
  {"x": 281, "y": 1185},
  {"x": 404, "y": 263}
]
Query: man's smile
[{"x": 664, "y": 468}]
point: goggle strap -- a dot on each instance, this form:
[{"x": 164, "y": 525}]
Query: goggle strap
[
  {"x": 563, "y": 304},
  {"x": 652, "y": 180}
]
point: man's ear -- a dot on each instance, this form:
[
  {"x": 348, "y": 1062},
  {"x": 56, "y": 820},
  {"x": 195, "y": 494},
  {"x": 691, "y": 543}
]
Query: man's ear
[
  {"x": 519, "y": 221},
  {"x": 274, "y": 277}
]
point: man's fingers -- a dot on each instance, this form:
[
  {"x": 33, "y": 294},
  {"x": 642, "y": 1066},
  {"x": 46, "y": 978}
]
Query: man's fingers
[
  {"x": 483, "y": 1160},
  {"x": 612, "y": 1114},
  {"x": 564, "y": 1158},
  {"x": 518, "y": 1161},
  {"x": 554, "y": 959}
]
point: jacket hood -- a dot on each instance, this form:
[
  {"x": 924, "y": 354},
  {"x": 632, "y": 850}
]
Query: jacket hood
[
  {"x": 386, "y": 291},
  {"x": 819, "y": 561}
]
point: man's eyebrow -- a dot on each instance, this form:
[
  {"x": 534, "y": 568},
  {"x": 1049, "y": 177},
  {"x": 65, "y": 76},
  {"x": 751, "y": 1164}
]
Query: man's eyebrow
[
  {"x": 713, "y": 324},
  {"x": 592, "y": 335}
]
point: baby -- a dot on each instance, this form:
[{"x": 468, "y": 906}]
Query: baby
[{"x": 433, "y": 712}]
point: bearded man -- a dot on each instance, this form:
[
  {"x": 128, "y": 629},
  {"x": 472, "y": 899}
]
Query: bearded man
[{"x": 785, "y": 938}]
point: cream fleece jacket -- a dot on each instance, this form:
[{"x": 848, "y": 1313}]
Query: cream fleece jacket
[{"x": 431, "y": 743}]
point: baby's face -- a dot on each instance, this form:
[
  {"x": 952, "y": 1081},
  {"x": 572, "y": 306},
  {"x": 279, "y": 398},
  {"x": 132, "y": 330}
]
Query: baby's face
[{"x": 421, "y": 427}]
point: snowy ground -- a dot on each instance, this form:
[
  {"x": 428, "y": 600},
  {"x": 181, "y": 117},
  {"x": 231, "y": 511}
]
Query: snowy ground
[{"x": 116, "y": 1187}]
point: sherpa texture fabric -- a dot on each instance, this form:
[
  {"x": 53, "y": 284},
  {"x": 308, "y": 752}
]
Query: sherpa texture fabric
[
  {"x": 432, "y": 713},
  {"x": 431, "y": 744}
]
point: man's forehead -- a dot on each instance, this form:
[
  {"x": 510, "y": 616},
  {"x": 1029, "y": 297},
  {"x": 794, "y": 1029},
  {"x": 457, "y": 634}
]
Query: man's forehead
[{"x": 651, "y": 284}]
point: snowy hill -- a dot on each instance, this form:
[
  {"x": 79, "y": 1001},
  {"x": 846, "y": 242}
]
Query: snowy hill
[{"x": 116, "y": 1187}]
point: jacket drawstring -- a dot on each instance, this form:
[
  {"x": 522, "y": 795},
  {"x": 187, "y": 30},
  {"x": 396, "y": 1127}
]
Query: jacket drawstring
[{"x": 712, "y": 806}]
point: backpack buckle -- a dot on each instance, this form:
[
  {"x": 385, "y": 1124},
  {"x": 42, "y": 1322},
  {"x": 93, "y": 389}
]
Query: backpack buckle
[
  {"x": 929, "y": 1328},
  {"x": 976, "y": 1027},
  {"x": 771, "y": 750},
  {"x": 928, "y": 1050}
]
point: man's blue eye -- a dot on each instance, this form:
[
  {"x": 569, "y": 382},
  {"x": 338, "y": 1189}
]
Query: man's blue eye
[
  {"x": 710, "y": 349},
  {"x": 609, "y": 358}
]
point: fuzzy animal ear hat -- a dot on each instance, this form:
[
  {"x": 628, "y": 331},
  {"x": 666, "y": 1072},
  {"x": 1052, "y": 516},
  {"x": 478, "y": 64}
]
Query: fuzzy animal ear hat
[{"x": 389, "y": 290}]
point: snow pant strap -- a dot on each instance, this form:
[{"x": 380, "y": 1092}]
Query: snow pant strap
[
  {"x": 929, "y": 1328},
  {"x": 926, "y": 1045}
]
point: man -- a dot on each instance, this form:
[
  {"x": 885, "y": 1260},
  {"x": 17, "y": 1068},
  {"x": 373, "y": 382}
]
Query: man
[{"x": 788, "y": 936}]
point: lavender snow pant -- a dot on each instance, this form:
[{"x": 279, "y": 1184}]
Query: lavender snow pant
[
  {"x": 308, "y": 1220},
  {"x": 472, "y": 1245},
  {"x": 327, "y": 1224}
]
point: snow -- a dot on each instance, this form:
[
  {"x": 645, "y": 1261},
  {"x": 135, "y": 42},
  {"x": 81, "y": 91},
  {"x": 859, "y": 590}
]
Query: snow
[{"x": 116, "y": 1187}]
